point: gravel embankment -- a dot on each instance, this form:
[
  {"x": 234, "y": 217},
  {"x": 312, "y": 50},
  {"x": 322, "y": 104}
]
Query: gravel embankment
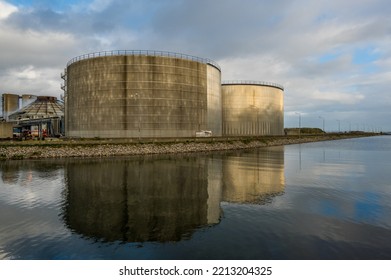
[{"x": 62, "y": 149}]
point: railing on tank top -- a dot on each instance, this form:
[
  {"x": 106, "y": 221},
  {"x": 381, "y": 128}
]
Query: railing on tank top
[{"x": 145, "y": 53}]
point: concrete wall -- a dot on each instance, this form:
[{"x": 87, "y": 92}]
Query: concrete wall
[
  {"x": 138, "y": 96},
  {"x": 251, "y": 109},
  {"x": 6, "y": 130}
]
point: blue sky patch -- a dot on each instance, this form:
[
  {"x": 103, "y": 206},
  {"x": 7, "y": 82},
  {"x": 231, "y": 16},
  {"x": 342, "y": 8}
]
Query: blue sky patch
[
  {"x": 365, "y": 55},
  {"x": 328, "y": 57},
  {"x": 57, "y": 5}
]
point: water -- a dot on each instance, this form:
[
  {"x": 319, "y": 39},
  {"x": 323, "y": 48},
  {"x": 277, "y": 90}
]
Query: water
[{"x": 325, "y": 200}]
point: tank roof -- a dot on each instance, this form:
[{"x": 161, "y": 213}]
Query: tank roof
[
  {"x": 42, "y": 107},
  {"x": 143, "y": 53},
  {"x": 256, "y": 83}
]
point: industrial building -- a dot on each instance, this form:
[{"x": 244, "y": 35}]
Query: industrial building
[
  {"x": 119, "y": 94},
  {"x": 252, "y": 108},
  {"x": 41, "y": 118},
  {"x": 11, "y": 103}
]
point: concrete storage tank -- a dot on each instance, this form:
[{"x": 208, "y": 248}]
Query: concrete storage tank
[
  {"x": 10, "y": 104},
  {"x": 141, "y": 94},
  {"x": 252, "y": 108}
]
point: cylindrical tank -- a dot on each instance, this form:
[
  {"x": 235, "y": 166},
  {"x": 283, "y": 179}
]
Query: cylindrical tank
[
  {"x": 252, "y": 108},
  {"x": 142, "y": 94},
  {"x": 10, "y": 104}
]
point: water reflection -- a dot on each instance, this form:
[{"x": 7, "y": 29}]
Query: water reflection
[
  {"x": 15, "y": 172},
  {"x": 165, "y": 198},
  {"x": 138, "y": 200},
  {"x": 255, "y": 178},
  {"x": 335, "y": 205},
  {"x": 30, "y": 183}
]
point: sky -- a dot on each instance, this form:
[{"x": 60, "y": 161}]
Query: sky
[{"x": 331, "y": 56}]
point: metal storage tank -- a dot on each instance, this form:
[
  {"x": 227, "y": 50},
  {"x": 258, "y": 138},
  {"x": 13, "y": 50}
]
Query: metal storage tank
[
  {"x": 119, "y": 94},
  {"x": 252, "y": 108}
]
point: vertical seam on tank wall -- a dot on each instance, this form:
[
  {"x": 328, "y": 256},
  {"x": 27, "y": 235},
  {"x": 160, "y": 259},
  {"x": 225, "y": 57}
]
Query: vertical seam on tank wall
[{"x": 124, "y": 80}]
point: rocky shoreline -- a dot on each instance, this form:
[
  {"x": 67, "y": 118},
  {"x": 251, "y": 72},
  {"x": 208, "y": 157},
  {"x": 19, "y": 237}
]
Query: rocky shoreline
[{"x": 106, "y": 148}]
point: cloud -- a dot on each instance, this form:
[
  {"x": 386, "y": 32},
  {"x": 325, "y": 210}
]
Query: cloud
[
  {"x": 99, "y": 5},
  {"x": 33, "y": 47},
  {"x": 6, "y": 10},
  {"x": 338, "y": 97},
  {"x": 263, "y": 67},
  {"x": 331, "y": 56},
  {"x": 31, "y": 80}
]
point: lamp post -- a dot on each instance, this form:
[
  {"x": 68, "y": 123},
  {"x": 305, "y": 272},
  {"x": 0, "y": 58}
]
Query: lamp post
[
  {"x": 339, "y": 126},
  {"x": 299, "y": 123},
  {"x": 320, "y": 117}
]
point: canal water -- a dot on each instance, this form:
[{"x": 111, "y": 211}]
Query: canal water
[{"x": 324, "y": 200}]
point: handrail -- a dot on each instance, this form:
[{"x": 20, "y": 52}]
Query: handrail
[
  {"x": 246, "y": 82},
  {"x": 143, "y": 52}
]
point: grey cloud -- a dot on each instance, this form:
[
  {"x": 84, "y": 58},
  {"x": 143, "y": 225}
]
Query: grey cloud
[
  {"x": 279, "y": 41},
  {"x": 48, "y": 20},
  {"x": 217, "y": 28},
  {"x": 37, "y": 19}
]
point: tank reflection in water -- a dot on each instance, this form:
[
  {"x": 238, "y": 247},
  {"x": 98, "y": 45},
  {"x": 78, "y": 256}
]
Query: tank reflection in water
[
  {"x": 154, "y": 207},
  {"x": 254, "y": 178},
  {"x": 163, "y": 198},
  {"x": 324, "y": 200},
  {"x": 138, "y": 200}
]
